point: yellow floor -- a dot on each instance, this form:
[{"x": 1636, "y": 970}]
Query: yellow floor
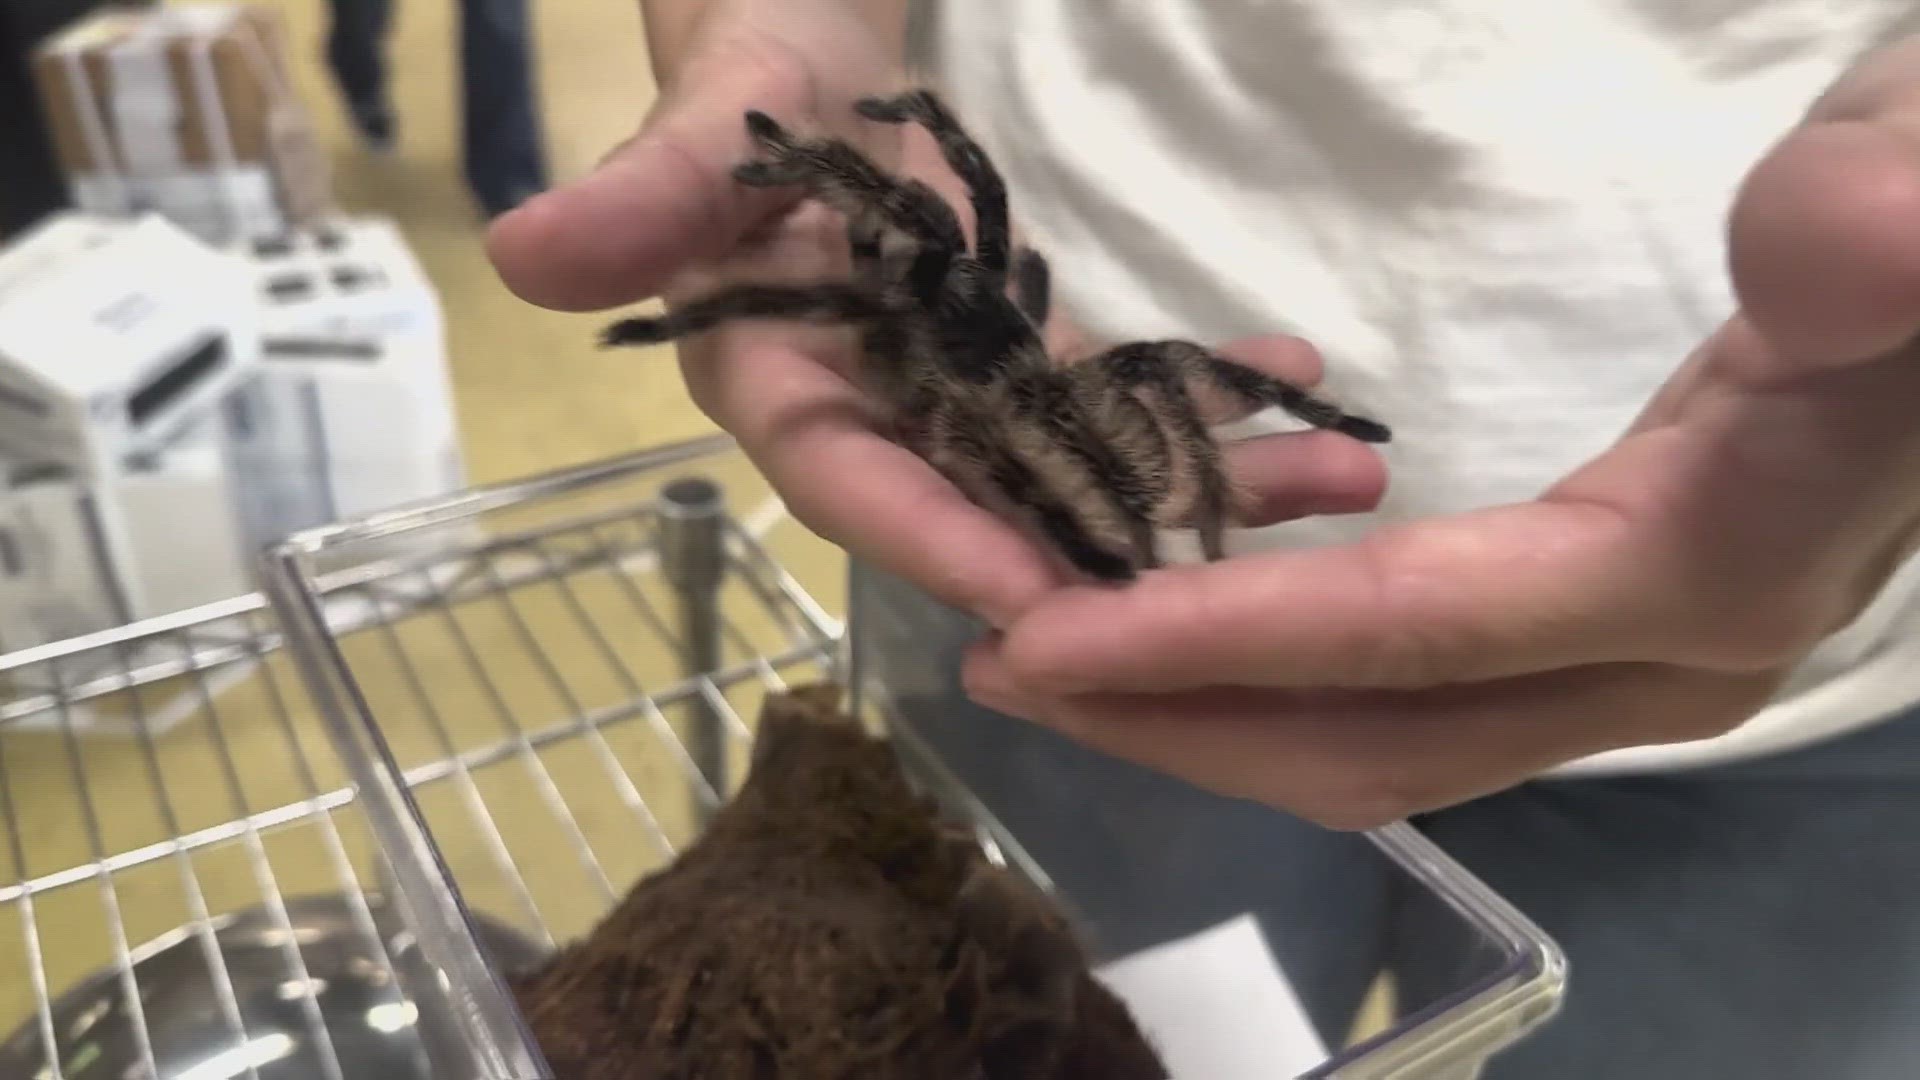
[{"x": 533, "y": 394}]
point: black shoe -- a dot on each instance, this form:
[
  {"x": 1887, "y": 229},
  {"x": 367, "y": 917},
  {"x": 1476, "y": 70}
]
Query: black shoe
[{"x": 375, "y": 123}]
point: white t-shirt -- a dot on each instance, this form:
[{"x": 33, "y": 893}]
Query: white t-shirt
[{"x": 1502, "y": 222}]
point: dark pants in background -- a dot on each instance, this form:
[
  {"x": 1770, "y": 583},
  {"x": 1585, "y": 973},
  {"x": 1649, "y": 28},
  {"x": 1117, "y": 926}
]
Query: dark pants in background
[{"x": 503, "y": 155}]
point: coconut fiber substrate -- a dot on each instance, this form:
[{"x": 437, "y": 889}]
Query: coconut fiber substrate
[{"x": 828, "y": 926}]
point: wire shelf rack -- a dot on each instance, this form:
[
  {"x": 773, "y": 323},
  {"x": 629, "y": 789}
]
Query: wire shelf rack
[
  {"x": 580, "y": 692},
  {"x": 301, "y": 835}
]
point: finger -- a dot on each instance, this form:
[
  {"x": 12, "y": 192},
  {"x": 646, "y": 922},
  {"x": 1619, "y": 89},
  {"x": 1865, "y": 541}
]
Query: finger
[
  {"x": 1283, "y": 477},
  {"x": 1361, "y": 761},
  {"x": 664, "y": 199},
  {"x": 1825, "y": 232},
  {"x": 906, "y": 519},
  {"x": 1282, "y": 356},
  {"x": 1494, "y": 593},
  {"x": 811, "y": 434}
]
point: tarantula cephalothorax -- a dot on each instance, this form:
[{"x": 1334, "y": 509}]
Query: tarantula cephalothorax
[{"x": 1097, "y": 454}]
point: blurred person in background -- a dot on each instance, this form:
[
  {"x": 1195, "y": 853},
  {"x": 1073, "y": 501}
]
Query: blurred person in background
[
  {"x": 503, "y": 154},
  {"x": 1635, "y": 630}
]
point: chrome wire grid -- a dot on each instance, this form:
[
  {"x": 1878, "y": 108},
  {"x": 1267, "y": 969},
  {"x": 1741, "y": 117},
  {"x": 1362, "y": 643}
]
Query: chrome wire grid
[
  {"x": 197, "y": 890},
  {"x": 303, "y": 841}
]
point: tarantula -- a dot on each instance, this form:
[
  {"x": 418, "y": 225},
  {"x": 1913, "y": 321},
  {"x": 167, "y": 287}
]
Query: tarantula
[{"x": 1097, "y": 454}]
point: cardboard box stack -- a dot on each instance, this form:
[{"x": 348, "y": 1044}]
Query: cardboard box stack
[
  {"x": 188, "y": 110},
  {"x": 205, "y": 356}
]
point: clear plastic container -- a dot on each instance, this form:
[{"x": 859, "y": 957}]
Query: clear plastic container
[
  {"x": 1503, "y": 976},
  {"x": 518, "y": 701}
]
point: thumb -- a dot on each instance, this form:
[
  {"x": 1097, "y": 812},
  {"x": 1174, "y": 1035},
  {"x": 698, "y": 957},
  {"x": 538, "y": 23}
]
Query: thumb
[
  {"x": 1824, "y": 237},
  {"x": 660, "y": 201}
]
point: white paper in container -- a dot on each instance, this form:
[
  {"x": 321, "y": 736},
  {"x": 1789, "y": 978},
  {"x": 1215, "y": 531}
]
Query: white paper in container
[{"x": 1216, "y": 1006}]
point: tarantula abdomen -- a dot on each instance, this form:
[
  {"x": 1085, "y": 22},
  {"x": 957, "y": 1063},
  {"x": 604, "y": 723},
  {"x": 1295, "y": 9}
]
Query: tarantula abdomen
[{"x": 1094, "y": 457}]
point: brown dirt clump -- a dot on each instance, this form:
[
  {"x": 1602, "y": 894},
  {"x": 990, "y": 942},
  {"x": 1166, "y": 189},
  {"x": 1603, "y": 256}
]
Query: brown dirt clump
[{"x": 828, "y": 926}]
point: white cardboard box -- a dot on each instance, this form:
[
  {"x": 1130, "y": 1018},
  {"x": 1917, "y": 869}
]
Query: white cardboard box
[
  {"x": 209, "y": 203},
  {"x": 320, "y": 438},
  {"x": 352, "y": 410},
  {"x": 53, "y": 578},
  {"x": 115, "y": 337},
  {"x": 84, "y": 554},
  {"x": 353, "y": 276},
  {"x": 80, "y": 557}
]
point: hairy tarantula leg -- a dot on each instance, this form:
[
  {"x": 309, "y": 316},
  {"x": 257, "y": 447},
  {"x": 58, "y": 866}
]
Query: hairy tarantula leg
[
  {"x": 839, "y": 175},
  {"x": 1141, "y": 478},
  {"x": 824, "y": 303},
  {"x": 1147, "y": 366},
  {"x": 1076, "y": 426},
  {"x": 1259, "y": 388},
  {"x": 985, "y": 187},
  {"x": 1033, "y": 286},
  {"x": 1013, "y": 480},
  {"x": 864, "y": 237}
]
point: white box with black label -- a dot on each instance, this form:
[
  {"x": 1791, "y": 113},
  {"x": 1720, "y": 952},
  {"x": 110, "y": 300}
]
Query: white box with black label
[
  {"x": 116, "y": 336},
  {"x": 351, "y": 411},
  {"x": 347, "y": 276},
  {"x": 335, "y": 430}
]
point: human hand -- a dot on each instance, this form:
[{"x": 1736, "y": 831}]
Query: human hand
[
  {"x": 1658, "y": 594},
  {"x": 662, "y": 217}
]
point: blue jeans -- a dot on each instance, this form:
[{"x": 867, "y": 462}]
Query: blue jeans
[
  {"x": 502, "y": 150},
  {"x": 1754, "y": 920}
]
